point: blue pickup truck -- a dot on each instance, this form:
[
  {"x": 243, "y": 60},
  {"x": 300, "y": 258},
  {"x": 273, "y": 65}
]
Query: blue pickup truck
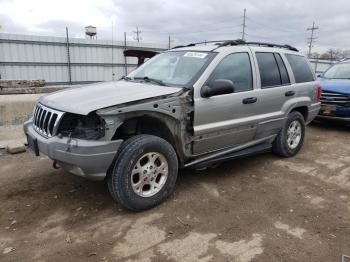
[{"x": 335, "y": 97}]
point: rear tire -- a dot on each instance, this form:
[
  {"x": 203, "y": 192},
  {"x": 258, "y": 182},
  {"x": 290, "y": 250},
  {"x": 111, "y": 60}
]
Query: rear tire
[
  {"x": 144, "y": 172},
  {"x": 291, "y": 138}
]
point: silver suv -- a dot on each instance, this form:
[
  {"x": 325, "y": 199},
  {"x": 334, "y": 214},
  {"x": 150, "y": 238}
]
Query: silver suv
[{"x": 192, "y": 106}]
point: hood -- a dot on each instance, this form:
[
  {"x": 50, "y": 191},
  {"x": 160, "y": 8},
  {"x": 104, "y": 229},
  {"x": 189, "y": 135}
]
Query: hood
[
  {"x": 85, "y": 99},
  {"x": 341, "y": 86}
]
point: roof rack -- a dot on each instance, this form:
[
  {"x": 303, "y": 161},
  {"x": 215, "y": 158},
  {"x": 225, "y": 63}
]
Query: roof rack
[
  {"x": 221, "y": 43},
  {"x": 199, "y": 43},
  {"x": 242, "y": 42}
]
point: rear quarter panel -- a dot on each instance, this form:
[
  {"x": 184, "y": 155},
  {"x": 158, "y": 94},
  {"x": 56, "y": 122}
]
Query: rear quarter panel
[{"x": 305, "y": 92}]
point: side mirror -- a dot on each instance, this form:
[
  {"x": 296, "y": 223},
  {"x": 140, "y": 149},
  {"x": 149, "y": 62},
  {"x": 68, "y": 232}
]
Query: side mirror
[{"x": 218, "y": 87}]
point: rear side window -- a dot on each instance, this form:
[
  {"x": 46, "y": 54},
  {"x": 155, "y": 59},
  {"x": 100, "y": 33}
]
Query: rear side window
[
  {"x": 301, "y": 70},
  {"x": 269, "y": 71},
  {"x": 237, "y": 68}
]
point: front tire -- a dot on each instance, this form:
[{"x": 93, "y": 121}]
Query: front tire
[
  {"x": 144, "y": 172},
  {"x": 291, "y": 138}
]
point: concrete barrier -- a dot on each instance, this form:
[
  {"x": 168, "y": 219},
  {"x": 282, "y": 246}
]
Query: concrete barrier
[{"x": 14, "y": 111}]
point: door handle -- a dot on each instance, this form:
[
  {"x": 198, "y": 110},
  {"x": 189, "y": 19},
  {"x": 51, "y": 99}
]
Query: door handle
[
  {"x": 289, "y": 93},
  {"x": 249, "y": 100}
]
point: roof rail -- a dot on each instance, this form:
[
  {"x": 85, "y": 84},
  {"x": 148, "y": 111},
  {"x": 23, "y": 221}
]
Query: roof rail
[
  {"x": 273, "y": 45},
  {"x": 242, "y": 42},
  {"x": 199, "y": 43},
  {"x": 221, "y": 43}
]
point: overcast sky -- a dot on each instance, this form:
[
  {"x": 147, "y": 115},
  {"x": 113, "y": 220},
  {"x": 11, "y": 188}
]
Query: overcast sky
[{"x": 186, "y": 21}]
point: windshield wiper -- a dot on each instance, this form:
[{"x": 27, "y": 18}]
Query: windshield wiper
[
  {"x": 148, "y": 79},
  {"x": 126, "y": 78}
]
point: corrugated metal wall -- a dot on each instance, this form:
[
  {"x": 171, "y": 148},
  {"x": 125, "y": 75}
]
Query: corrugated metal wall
[{"x": 24, "y": 57}]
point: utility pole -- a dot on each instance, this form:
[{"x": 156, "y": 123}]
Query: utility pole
[
  {"x": 138, "y": 33},
  {"x": 112, "y": 51},
  {"x": 244, "y": 24},
  {"x": 125, "y": 62},
  {"x": 169, "y": 42},
  {"x": 68, "y": 58},
  {"x": 311, "y": 39}
]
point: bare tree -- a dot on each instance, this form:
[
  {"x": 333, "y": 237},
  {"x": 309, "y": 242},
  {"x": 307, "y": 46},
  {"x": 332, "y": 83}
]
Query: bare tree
[
  {"x": 332, "y": 54},
  {"x": 315, "y": 55},
  {"x": 346, "y": 53}
]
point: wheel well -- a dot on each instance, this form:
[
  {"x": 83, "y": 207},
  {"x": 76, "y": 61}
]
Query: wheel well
[
  {"x": 144, "y": 125},
  {"x": 302, "y": 110}
]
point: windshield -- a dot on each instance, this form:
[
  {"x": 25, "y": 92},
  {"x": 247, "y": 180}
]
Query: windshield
[
  {"x": 338, "y": 71},
  {"x": 172, "y": 68}
]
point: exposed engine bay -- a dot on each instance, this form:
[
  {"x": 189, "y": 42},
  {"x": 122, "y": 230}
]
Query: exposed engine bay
[{"x": 90, "y": 127}]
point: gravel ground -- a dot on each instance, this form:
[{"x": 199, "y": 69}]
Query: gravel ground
[{"x": 261, "y": 208}]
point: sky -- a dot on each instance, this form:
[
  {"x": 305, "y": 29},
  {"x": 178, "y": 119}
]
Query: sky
[{"x": 283, "y": 22}]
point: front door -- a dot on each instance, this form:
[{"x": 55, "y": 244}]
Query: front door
[{"x": 227, "y": 120}]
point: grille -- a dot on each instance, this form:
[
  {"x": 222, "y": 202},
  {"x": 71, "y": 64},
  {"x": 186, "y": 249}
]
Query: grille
[
  {"x": 335, "y": 99},
  {"x": 46, "y": 120}
]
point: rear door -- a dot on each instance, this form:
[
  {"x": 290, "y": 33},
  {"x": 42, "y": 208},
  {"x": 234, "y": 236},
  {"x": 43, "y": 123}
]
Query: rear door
[
  {"x": 305, "y": 84},
  {"x": 276, "y": 89}
]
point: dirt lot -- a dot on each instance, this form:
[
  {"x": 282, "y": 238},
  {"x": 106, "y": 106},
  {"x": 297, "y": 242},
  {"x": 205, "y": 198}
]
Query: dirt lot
[{"x": 262, "y": 208}]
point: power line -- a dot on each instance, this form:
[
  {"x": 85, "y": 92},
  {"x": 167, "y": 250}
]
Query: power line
[
  {"x": 193, "y": 32},
  {"x": 311, "y": 38},
  {"x": 138, "y": 32},
  {"x": 205, "y": 31},
  {"x": 244, "y": 24},
  {"x": 257, "y": 35},
  {"x": 268, "y": 26},
  {"x": 195, "y": 26}
]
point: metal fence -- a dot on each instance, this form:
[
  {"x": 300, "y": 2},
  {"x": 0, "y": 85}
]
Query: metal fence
[
  {"x": 320, "y": 65},
  {"x": 76, "y": 61},
  {"x": 58, "y": 61}
]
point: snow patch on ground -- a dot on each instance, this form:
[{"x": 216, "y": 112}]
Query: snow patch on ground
[
  {"x": 243, "y": 250},
  {"x": 296, "y": 232}
]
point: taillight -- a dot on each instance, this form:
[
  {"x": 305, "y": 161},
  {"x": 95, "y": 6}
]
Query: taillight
[{"x": 318, "y": 93}]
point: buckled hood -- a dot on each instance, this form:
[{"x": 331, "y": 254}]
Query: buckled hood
[{"x": 85, "y": 99}]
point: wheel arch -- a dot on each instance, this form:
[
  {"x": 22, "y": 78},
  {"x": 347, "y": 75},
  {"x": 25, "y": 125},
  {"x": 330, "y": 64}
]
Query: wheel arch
[
  {"x": 303, "y": 110},
  {"x": 156, "y": 124},
  {"x": 144, "y": 124}
]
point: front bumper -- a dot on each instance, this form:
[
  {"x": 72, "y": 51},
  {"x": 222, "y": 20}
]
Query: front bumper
[
  {"x": 334, "y": 118},
  {"x": 86, "y": 158},
  {"x": 339, "y": 114}
]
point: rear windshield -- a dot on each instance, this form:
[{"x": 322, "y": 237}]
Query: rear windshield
[
  {"x": 338, "y": 71},
  {"x": 301, "y": 69}
]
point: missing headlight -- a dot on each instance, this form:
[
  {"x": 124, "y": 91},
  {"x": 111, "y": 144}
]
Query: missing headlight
[{"x": 90, "y": 127}]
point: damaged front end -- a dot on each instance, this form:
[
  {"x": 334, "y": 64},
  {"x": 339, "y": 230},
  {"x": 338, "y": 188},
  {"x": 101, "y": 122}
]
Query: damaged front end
[
  {"x": 169, "y": 117},
  {"x": 90, "y": 127},
  {"x": 86, "y": 145}
]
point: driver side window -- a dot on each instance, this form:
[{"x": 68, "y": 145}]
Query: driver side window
[{"x": 237, "y": 68}]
